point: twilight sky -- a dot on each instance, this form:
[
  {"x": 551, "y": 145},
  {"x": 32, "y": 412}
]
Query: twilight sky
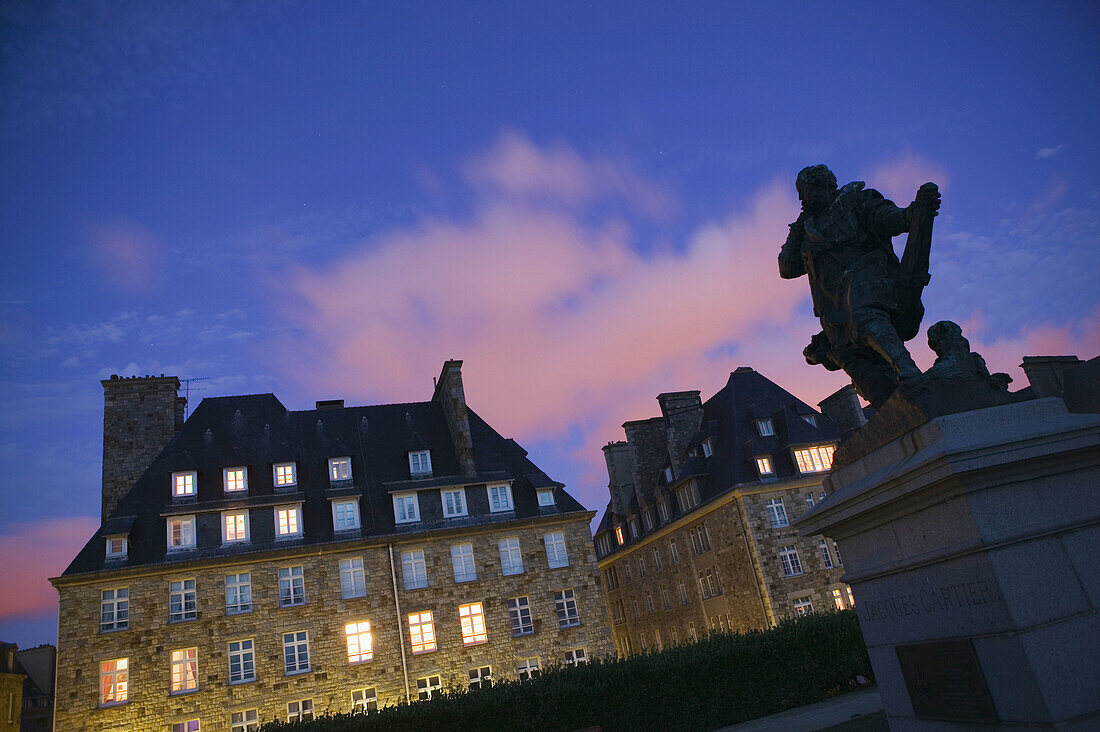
[{"x": 583, "y": 201}]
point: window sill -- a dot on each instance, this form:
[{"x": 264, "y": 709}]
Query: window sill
[
  {"x": 288, "y": 537},
  {"x": 183, "y": 692},
  {"x": 570, "y": 625},
  {"x": 243, "y": 681},
  {"x": 416, "y": 587},
  {"x": 103, "y": 631},
  {"x": 426, "y": 650},
  {"x": 558, "y": 566},
  {"x": 353, "y": 597},
  {"x": 243, "y": 611},
  {"x": 292, "y": 604},
  {"x": 299, "y": 672},
  {"x": 181, "y": 620},
  {"x": 181, "y": 549},
  {"x": 111, "y": 705}
]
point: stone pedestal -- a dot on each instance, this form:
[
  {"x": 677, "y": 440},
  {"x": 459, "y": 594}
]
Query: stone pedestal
[{"x": 972, "y": 546}]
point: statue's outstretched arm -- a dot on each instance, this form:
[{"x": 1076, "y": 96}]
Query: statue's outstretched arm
[{"x": 790, "y": 256}]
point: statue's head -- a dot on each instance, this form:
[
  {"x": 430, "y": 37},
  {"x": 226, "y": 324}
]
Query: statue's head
[{"x": 816, "y": 186}]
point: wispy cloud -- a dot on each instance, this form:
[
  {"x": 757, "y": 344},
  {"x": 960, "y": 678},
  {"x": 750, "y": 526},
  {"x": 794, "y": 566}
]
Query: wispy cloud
[
  {"x": 899, "y": 178},
  {"x": 127, "y": 254},
  {"x": 44, "y": 549},
  {"x": 1049, "y": 152}
]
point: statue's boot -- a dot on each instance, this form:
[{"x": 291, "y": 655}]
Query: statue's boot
[{"x": 879, "y": 334}]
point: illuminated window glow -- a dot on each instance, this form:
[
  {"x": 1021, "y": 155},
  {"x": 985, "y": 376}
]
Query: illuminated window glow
[
  {"x": 181, "y": 532},
  {"x": 287, "y": 524},
  {"x": 359, "y": 641},
  {"x": 183, "y": 484},
  {"x": 619, "y": 535},
  {"x": 185, "y": 670},
  {"x": 285, "y": 475},
  {"x": 339, "y": 469},
  {"x": 234, "y": 526},
  {"x": 236, "y": 479},
  {"x": 472, "y": 620},
  {"x": 814, "y": 459},
  {"x": 421, "y": 632},
  {"x": 113, "y": 681},
  {"x": 764, "y": 466}
]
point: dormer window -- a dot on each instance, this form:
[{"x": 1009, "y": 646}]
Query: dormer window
[
  {"x": 345, "y": 514},
  {"x": 285, "y": 475},
  {"x": 235, "y": 480},
  {"x": 817, "y": 459},
  {"x": 662, "y": 510},
  {"x": 764, "y": 466},
  {"x": 454, "y": 502},
  {"x": 668, "y": 475},
  {"x": 810, "y": 419},
  {"x": 183, "y": 484},
  {"x": 117, "y": 547},
  {"x": 234, "y": 526},
  {"x": 764, "y": 427},
  {"x": 339, "y": 469},
  {"x": 546, "y": 497},
  {"x": 500, "y": 498},
  {"x": 406, "y": 509},
  {"x": 288, "y": 522},
  {"x": 647, "y": 517},
  {"x": 633, "y": 524},
  {"x": 181, "y": 532},
  {"x": 707, "y": 449},
  {"x": 619, "y": 535},
  {"x": 420, "y": 464}
]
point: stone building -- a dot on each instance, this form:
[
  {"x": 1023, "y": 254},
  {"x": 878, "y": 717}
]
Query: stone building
[
  {"x": 256, "y": 563},
  {"x": 11, "y": 689},
  {"x": 38, "y": 664},
  {"x": 697, "y": 535}
]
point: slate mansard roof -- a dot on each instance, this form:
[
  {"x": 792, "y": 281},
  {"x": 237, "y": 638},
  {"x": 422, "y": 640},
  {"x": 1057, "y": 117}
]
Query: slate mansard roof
[
  {"x": 257, "y": 431},
  {"x": 729, "y": 421}
]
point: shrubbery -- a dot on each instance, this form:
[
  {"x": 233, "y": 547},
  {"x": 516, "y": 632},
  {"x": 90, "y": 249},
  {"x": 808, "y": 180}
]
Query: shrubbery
[{"x": 723, "y": 679}]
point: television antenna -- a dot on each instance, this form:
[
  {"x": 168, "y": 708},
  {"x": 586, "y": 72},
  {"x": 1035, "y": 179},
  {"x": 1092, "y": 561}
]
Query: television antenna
[{"x": 187, "y": 390}]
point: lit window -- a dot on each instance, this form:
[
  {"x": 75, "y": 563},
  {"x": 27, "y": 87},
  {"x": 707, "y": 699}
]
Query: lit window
[
  {"x": 238, "y": 593},
  {"x": 546, "y": 497},
  {"x": 500, "y": 498},
  {"x": 117, "y": 546},
  {"x": 764, "y": 427},
  {"x": 511, "y": 562},
  {"x": 296, "y": 652},
  {"x": 619, "y": 535},
  {"x": 405, "y": 508},
  {"x": 292, "y": 586},
  {"x": 673, "y": 551},
  {"x": 788, "y": 555},
  {"x": 471, "y": 618},
  {"x": 481, "y": 678},
  {"x": 420, "y": 464},
  {"x": 234, "y": 526},
  {"x": 764, "y": 466},
  {"x": 287, "y": 523},
  {"x": 235, "y": 479},
  {"x": 339, "y": 469},
  {"x": 114, "y": 610},
  {"x": 838, "y": 599},
  {"x": 662, "y": 510},
  {"x": 576, "y": 657},
  {"x": 826, "y": 558},
  {"x": 555, "y": 550},
  {"x": 345, "y": 515},
  {"x": 814, "y": 459},
  {"x": 242, "y": 662},
  {"x": 462, "y": 559},
  {"x": 185, "y": 670},
  {"x": 191, "y": 726},
  {"x": 183, "y": 484},
  {"x": 421, "y": 632},
  {"x": 182, "y": 601},
  {"x": 286, "y": 475},
  {"x": 566, "y": 605},
  {"x": 454, "y": 502},
  {"x": 709, "y": 584},
  {"x": 359, "y": 641},
  {"x": 803, "y": 606},
  {"x": 363, "y": 700},
  {"x": 528, "y": 669},
  {"x": 113, "y": 680},
  {"x": 777, "y": 514},
  {"x": 413, "y": 569},
  {"x": 299, "y": 710},
  {"x": 427, "y": 686},
  {"x": 353, "y": 578},
  {"x": 707, "y": 449},
  {"x": 181, "y": 532},
  {"x": 519, "y": 612},
  {"x": 246, "y": 721},
  {"x": 851, "y": 597}
]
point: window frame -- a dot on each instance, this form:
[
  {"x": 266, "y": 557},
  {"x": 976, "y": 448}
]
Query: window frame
[
  {"x": 777, "y": 513},
  {"x": 187, "y": 530},
  {"x": 119, "y": 684},
  {"x": 765, "y": 427},
  {"x": 183, "y": 615},
  {"x": 236, "y": 513},
  {"x": 359, "y": 640},
  {"x": 294, "y": 517},
  {"x": 183, "y": 489},
  {"x": 353, "y": 578},
  {"x": 803, "y": 606},
  {"x": 366, "y": 701},
  {"x": 565, "y": 604},
  {"x": 119, "y": 606},
  {"x": 420, "y": 464},
  {"x": 813, "y": 459},
  {"x": 121, "y": 553},
  {"x": 480, "y": 677},
  {"x": 303, "y": 713},
  {"x": 415, "y": 559},
  {"x": 471, "y": 622},
  {"x": 560, "y": 556},
  {"x": 826, "y": 556},
  {"x": 297, "y": 643},
  {"x": 184, "y": 673},
  {"x": 422, "y": 627},
  {"x": 401, "y": 503},
  {"x": 239, "y": 607},
  {"x": 337, "y": 504},
  {"x": 708, "y": 449},
  {"x": 432, "y": 685},
  {"x": 529, "y": 668},
  {"x": 242, "y": 721},
  {"x": 511, "y": 557},
  {"x": 281, "y": 483},
  {"x": 334, "y": 463},
  {"x": 790, "y": 561},
  {"x": 245, "y": 658},
  {"x": 545, "y": 497},
  {"x": 469, "y": 571},
  {"x": 764, "y": 466},
  {"x": 294, "y": 578},
  {"x": 576, "y": 660},
  {"x": 229, "y": 475},
  {"x": 458, "y": 511},
  {"x": 519, "y": 613},
  {"x": 503, "y": 507}
]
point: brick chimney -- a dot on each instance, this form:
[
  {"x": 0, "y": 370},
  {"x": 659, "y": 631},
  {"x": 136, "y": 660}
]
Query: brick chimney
[
  {"x": 648, "y": 443},
  {"x": 140, "y": 415},
  {"x": 450, "y": 394},
  {"x": 620, "y": 475},
  {"x": 683, "y": 413}
]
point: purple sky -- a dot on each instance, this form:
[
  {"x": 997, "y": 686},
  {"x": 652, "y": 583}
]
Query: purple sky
[{"x": 583, "y": 203}]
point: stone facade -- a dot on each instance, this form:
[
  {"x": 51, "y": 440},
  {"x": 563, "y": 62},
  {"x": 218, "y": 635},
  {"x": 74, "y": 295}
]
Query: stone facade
[
  {"x": 502, "y": 496},
  {"x": 709, "y": 545},
  {"x": 11, "y": 689}
]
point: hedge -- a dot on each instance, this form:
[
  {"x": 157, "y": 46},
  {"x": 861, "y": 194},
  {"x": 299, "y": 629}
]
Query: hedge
[{"x": 720, "y": 680}]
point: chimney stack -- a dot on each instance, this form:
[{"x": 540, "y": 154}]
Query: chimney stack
[
  {"x": 620, "y": 475},
  {"x": 450, "y": 394},
  {"x": 1046, "y": 374},
  {"x": 683, "y": 413},
  {"x": 843, "y": 407},
  {"x": 140, "y": 416}
]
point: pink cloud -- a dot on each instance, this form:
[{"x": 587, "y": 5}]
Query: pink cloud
[
  {"x": 899, "y": 178},
  {"x": 35, "y": 552},
  {"x": 517, "y": 167},
  {"x": 126, "y": 253}
]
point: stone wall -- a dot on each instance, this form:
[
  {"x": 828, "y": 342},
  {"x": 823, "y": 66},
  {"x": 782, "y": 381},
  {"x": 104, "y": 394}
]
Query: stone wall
[
  {"x": 140, "y": 416},
  {"x": 150, "y": 638},
  {"x": 11, "y": 701}
]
